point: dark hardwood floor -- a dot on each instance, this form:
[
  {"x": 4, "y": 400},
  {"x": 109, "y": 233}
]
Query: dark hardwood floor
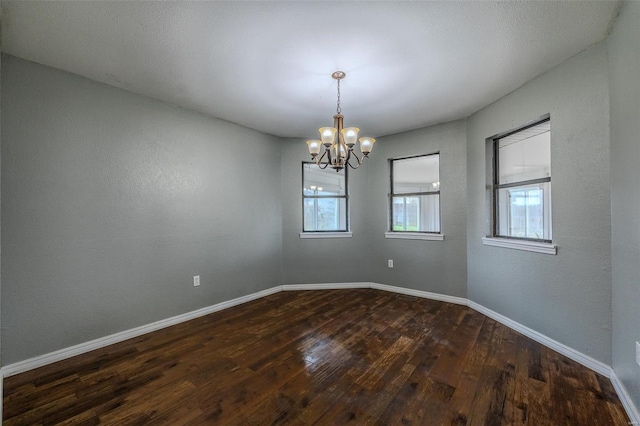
[{"x": 320, "y": 357}]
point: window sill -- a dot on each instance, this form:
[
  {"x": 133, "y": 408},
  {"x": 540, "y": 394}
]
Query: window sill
[
  {"x": 545, "y": 248},
  {"x": 305, "y": 235},
  {"x": 414, "y": 236}
]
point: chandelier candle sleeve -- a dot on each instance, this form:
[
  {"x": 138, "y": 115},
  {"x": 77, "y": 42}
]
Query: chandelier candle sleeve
[{"x": 339, "y": 151}]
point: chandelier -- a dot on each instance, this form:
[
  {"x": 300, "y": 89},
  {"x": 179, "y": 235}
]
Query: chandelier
[{"x": 339, "y": 153}]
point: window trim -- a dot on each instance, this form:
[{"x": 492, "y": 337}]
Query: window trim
[
  {"x": 419, "y": 235},
  {"x": 414, "y": 235},
  {"x": 325, "y": 234},
  {"x": 328, "y": 233},
  {"x": 496, "y": 187},
  {"x": 521, "y": 244}
]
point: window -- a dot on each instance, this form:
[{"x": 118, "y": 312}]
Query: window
[
  {"x": 325, "y": 199},
  {"x": 415, "y": 194},
  {"x": 522, "y": 183}
]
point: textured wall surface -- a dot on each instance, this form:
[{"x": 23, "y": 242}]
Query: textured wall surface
[
  {"x": 624, "y": 65},
  {"x": 434, "y": 266},
  {"x": 321, "y": 260},
  {"x": 566, "y": 297},
  {"x": 111, "y": 202}
]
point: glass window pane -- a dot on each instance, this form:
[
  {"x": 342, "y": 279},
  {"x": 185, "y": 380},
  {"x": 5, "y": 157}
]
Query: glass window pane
[
  {"x": 525, "y": 211},
  {"x": 525, "y": 155},
  {"x": 323, "y": 182},
  {"x": 417, "y": 174},
  {"x": 419, "y": 213},
  {"x": 325, "y": 214}
]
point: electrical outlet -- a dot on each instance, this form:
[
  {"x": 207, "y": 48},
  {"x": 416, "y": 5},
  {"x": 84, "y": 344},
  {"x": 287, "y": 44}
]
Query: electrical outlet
[
  {"x": 638, "y": 353},
  {"x": 196, "y": 280},
  {"x": 390, "y": 263}
]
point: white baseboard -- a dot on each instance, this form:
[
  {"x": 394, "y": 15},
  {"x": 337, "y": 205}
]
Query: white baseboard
[
  {"x": 376, "y": 286},
  {"x": 625, "y": 399},
  {"x": 420, "y": 293},
  {"x": 587, "y": 361},
  {"x": 324, "y": 286},
  {"x": 59, "y": 355}
]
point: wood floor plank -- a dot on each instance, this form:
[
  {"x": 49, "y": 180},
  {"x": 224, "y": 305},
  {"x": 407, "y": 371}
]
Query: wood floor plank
[{"x": 357, "y": 356}]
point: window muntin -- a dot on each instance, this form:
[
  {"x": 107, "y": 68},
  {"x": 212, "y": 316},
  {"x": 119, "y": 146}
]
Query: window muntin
[
  {"x": 325, "y": 199},
  {"x": 522, "y": 183},
  {"x": 415, "y": 194}
]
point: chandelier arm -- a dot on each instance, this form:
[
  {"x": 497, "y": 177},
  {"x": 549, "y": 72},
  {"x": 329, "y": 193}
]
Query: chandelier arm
[
  {"x": 318, "y": 160},
  {"x": 320, "y": 165},
  {"x": 358, "y": 160},
  {"x": 354, "y": 167}
]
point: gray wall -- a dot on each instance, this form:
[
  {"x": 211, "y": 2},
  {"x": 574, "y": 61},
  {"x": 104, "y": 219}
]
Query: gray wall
[
  {"x": 566, "y": 297},
  {"x": 315, "y": 260},
  {"x": 434, "y": 266},
  {"x": 624, "y": 66},
  {"x": 111, "y": 202}
]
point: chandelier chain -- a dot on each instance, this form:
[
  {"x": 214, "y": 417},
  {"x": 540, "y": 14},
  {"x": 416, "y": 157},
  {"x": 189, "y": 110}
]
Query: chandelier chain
[{"x": 338, "y": 108}]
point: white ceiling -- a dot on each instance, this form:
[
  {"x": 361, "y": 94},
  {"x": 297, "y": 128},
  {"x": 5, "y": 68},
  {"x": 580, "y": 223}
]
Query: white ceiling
[{"x": 267, "y": 65}]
